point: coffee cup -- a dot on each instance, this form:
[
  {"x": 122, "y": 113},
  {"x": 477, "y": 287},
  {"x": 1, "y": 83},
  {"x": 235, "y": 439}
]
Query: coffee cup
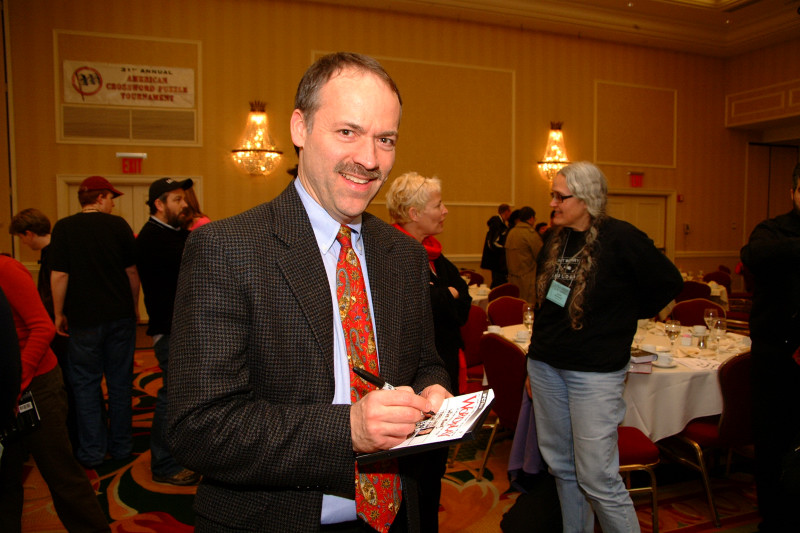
[
  {"x": 665, "y": 359},
  {"x": 495, "y": 329},
  {"x": 699, "y": 330}
]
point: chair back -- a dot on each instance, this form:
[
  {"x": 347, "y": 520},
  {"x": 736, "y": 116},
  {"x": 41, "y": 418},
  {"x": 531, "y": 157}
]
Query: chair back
[
  {"x": 506, "y": 289},
  {"x": 506, "y": 311},
  {"x": 721, "y": 278},
  {"x": 723, "y": 268},
  {"x": 506, "y": 369},
  {"x": 736, "y": 422},
  {"x": 471, "y": 333},
  {"x": 693, "y": 289},
  {"x": 474, "y": 277},
  {"x": 690, "y": 312}
]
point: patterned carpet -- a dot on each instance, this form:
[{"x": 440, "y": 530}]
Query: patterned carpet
[{"x": 134, "y": 503}]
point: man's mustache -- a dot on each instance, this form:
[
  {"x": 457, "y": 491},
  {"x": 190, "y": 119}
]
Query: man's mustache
[{"x": 358, "y": 169}]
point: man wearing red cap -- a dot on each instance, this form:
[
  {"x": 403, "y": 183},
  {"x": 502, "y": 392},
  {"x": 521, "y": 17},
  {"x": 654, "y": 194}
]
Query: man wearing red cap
[{"x": 95, "y": 288}]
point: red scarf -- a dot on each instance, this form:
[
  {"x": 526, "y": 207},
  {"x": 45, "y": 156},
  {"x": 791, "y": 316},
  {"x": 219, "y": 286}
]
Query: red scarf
[{"x": 432, "y": 246}]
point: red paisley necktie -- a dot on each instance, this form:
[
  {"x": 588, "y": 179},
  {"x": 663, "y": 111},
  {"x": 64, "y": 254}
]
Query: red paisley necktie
[{"x": 378, "y": 489}]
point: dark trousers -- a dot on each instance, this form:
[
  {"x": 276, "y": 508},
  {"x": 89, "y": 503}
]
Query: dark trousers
[
  {"x": 73, "y": 497},
  {"x": 161, "y": 461},
  {"x": 499, "y": 277},
  {"x": 776, "y": 419}
]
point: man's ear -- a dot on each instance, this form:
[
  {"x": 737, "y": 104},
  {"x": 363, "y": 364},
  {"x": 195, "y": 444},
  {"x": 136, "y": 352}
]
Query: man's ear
[
  {"x": 297, "y": 125},
  {"x": 159, "y": 205}
]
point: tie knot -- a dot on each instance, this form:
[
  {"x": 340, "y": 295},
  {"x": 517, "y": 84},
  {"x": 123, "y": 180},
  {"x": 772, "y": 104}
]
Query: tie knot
[{"x": 344, "y": 237}]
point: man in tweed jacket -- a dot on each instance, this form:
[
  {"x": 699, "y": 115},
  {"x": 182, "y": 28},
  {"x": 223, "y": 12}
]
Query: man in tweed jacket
[{"x": 255, "y": 382}]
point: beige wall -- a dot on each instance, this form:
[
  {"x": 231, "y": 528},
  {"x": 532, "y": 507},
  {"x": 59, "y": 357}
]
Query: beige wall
[{"x": 258, "y": 49}]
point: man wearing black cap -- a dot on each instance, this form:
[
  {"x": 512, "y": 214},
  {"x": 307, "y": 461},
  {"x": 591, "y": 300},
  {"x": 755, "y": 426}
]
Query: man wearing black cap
[
  {"x": 159, "y": 248},
  {"x": 95, "y": 288}
]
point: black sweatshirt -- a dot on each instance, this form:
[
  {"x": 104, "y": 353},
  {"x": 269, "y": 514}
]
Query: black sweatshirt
[{"x": 633, "y": 280}]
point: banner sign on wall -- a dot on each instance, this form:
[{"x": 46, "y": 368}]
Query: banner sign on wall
[{"x": 128, "y": 85}]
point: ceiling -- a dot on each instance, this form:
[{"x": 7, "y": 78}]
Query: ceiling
[{"x": 720, "y": 28}]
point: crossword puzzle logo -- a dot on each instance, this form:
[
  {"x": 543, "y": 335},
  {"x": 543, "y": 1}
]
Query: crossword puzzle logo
[{"x": 87, "y": 81}]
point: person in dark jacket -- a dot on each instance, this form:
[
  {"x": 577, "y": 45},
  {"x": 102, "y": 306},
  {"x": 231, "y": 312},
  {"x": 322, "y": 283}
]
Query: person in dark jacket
[
  {"x": 415, "y": 205},
  {"x": 773, "y": 256},
  {"x": 159, "y": 248},
  {"x": 596, "y": 276},
  {"x": 494, "y": 252}
]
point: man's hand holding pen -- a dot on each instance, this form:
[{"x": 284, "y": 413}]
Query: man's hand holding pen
[{"x": 384, "y": 418}]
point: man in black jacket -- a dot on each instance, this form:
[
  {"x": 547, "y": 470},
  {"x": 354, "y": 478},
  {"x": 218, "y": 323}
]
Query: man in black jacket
[
  {"x": 773, "y": 256},
  {"x": 494, "y": 252},
  {"x": 159, "y": 248}
]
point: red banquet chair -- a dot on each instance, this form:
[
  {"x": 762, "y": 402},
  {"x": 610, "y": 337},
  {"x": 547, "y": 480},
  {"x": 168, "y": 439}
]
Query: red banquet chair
[
  {"x": 471, "y": 333},
  {"x": 690, "y": 312},
  {"x": 506, "y": 289},
  {"x": 637, "y": 452},
  {"x": 506, "y": 311},
  {"x": 730, "y": 430},
  {"x": 693, "y": 289},
  {"x": 506, "y": 370},
  {"x": 474, "y": 277},
  {"x": 720, "y": 278}
]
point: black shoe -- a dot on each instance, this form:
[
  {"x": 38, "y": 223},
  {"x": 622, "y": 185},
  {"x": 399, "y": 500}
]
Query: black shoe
[{"x": 183, "y": 478}]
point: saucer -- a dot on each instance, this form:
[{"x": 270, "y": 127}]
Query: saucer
[{"x": 662, "y": 365}]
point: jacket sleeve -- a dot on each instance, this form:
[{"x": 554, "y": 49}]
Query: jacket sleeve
[
  {"x": 248, "y": 406},
  {"x": 37, "y": 330},
  {"x": 657, "y": 278}
]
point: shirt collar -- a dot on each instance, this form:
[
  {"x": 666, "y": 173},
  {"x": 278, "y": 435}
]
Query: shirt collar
[
  {"x": 157, "y": 221},
  {"x": 324, "y": 226}
]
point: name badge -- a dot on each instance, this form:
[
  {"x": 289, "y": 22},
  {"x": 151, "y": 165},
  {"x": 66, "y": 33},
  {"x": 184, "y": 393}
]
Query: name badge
[{"x": 558, "y": 293}]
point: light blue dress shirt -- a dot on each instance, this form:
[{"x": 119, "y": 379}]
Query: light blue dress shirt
[{"x": 336, "y": 509}]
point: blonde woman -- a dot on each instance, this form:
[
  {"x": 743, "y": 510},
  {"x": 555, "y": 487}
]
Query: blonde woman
[
  {"x": 596, "y": 277},
  {"x": 415, "y": 205}
]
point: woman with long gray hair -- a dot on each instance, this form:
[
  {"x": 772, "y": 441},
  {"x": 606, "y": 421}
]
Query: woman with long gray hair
[{"x": 596, "y": 276}]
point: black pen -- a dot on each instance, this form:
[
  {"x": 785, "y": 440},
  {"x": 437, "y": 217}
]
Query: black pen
[
  {"x": 369, "y": 377},
  {"x": 377, "y": 381}
]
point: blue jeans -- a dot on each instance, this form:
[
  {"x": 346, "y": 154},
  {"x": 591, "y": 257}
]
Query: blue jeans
[
  {"x": 577, "y": 414},
  {"x": 95, "y": 351},
  {"x": 161, "y": 461}
]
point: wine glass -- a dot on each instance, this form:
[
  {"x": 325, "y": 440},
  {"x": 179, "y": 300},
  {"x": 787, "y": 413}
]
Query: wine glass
[
  {"x": 719, "y": 328},
  {"x": 710, "y": 315},
  {"x": 673, "y": 329},
  {"x": 527, "y": 319}
]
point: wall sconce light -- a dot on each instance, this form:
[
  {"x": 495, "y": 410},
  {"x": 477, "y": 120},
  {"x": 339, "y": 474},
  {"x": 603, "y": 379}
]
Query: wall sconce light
[
  {"x": 555, "y": 154},
  {"x": 257, "y": 155}
]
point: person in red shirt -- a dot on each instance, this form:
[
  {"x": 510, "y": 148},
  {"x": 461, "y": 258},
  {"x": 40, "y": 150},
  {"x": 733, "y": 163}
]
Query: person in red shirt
[{"x": 73, "y": 496}]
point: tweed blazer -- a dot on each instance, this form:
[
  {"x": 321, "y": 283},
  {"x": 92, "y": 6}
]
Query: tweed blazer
[{"x": 251, "y": 363}]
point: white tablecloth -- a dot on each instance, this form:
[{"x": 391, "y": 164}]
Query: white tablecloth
[
  {"x": 663, "y": 402},
  {"x": 480, "y": 296}
]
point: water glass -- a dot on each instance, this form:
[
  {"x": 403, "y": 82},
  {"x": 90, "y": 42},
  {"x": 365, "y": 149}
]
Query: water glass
[
  {"x": 719, "y": 328},
  {"x": 527, "y": 319},
  {"x": 673, "y": 329}
]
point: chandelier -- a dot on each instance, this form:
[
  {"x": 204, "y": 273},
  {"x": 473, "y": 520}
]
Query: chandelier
[
  {"x": 257, "y": 155},
  {"x": 555, "y": 155}
]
